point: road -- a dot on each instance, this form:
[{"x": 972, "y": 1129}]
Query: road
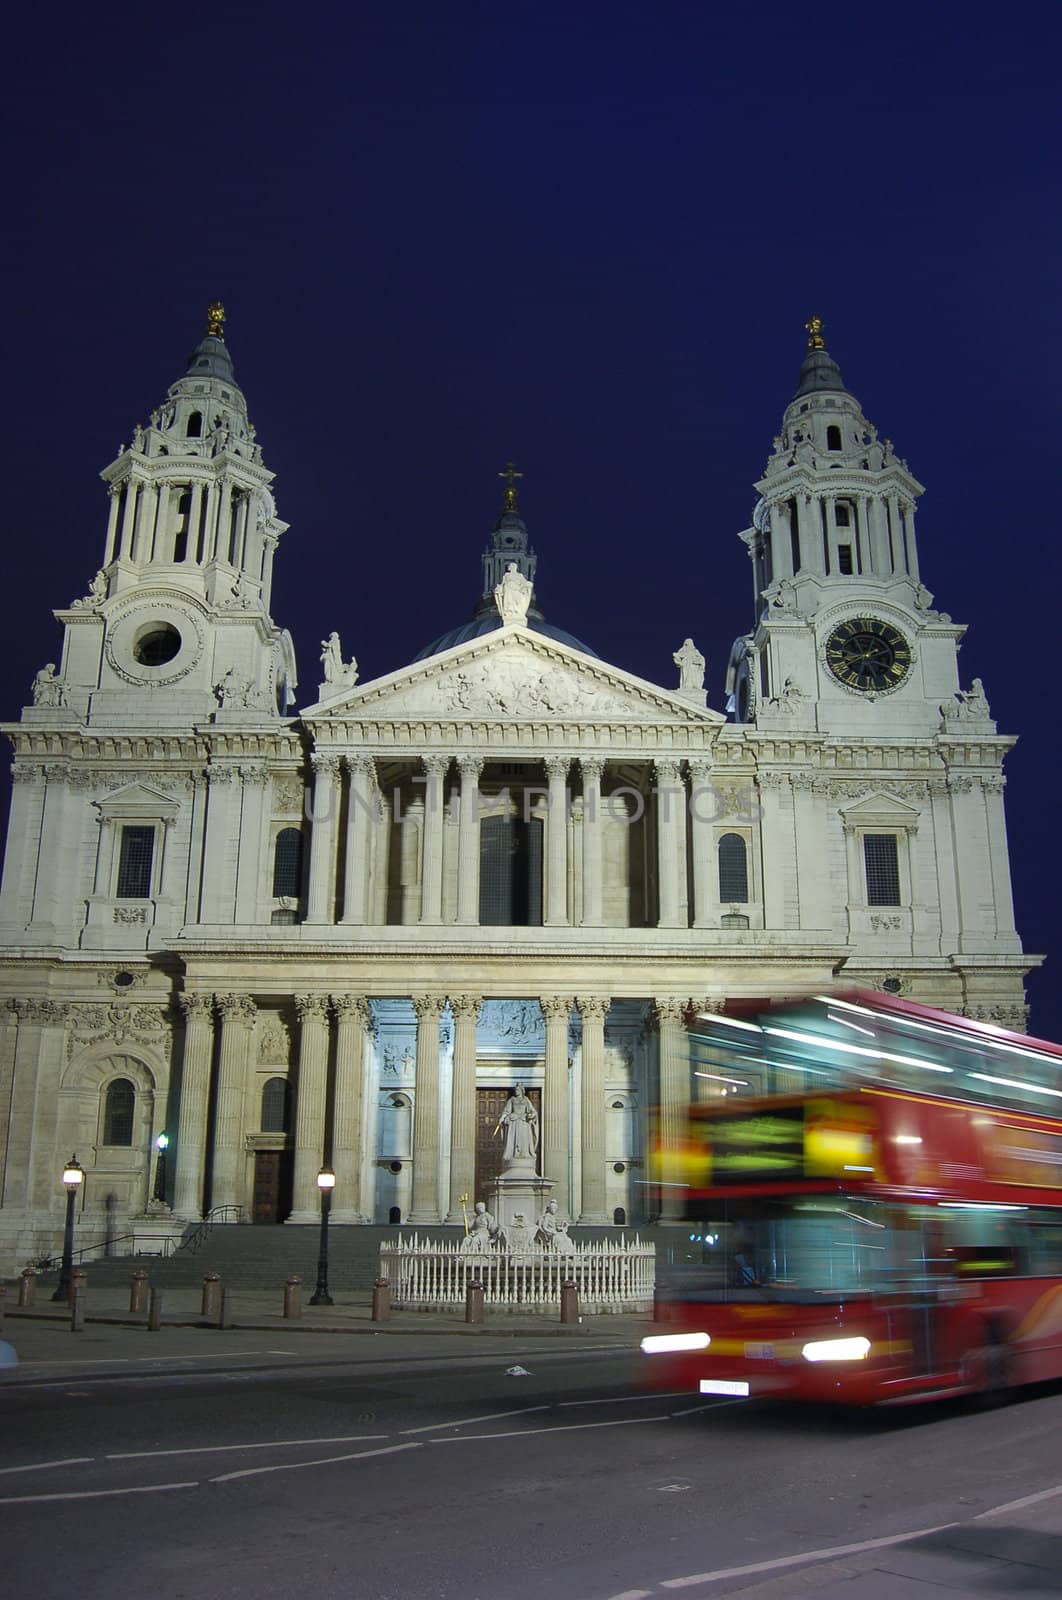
[{"x": 280, "y": 1467}]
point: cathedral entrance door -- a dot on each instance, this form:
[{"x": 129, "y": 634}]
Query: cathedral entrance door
[
  {"x": 490, "y": 1103},
  {"x": 273, "y": 1172}
]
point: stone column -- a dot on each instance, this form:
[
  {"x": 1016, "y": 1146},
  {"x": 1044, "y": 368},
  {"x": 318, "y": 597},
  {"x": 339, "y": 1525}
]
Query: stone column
[
  {"x": 910, "y": 546},
  {"x": 198, "y": 1012},
  {"x": 25, "y": 824},
  {"x": 114, "y": 492},
  {"x": 210, "y": 529},
  {"x": 557, "y": 841},
  {"x": 674, "y": 1096},
  {"x": 592, "y": 1009},
  {"x": 145, "y": 522},
  {"x": 192, "y": 524},
  {"x": 237, "y": 1019},
  {"x": 702, "y": 819},
  {"x": 224, "y": 524},
  {"x": 556, "y": 1120},
  {"x": 470, "y": 768},
  {"x": 360, "y": 818},
  {"x": 670, "y": 794},
  {"x": 221, "y": 845},
  {"x": 125, "y": 548},
  {"x": 321, "y": 896},
  {"x": 781, "y": 544},
  {"x": 255, "y": 781},
  {"x": 425, "y": 1198},
  {"x": 896, "y": 550},
  {"x": 310, "y": 1104},
  {"x": 465, "y": 1008},
  {"x": 352, "y": 1018},
  {"x": 591, "y": 768},
  {"x": 432, "y": 858}
]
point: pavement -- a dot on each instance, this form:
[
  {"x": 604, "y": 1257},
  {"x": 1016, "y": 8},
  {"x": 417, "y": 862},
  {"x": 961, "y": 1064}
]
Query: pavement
[{"x": 1012, "y": 1550}]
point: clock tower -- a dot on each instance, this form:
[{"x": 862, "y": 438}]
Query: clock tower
[{"x": 845, "y": 639}]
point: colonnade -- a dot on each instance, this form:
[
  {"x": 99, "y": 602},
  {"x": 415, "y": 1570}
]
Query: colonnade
[{"x": 335, "y": 1026}]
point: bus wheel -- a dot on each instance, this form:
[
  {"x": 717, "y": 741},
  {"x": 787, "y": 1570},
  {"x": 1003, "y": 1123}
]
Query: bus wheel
[{"x": 989, "y": 1368}]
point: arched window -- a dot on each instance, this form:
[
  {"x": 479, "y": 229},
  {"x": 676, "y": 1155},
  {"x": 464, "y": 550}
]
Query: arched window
[
  {"x": 180, "y": 538},
  {"x": 833, "y": 437},
  {"x": 287, "y": 864},
  {"x": 194, "y": 429},
  {"x": 733, "y": 869},
  {"x": 276, "y": 1106},
  {"x": 841, "y": 514},
  {"x": 118, "y": 1111}
]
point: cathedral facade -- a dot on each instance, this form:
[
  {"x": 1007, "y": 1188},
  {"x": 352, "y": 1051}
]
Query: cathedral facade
[{"x": 340, "y": 935}]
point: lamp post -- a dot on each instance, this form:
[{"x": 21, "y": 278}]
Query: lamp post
[
  {"x": 162, "y": 1144},
  {"x": 326, "y": 1182},
  {"x": 73, "y": 1173}
]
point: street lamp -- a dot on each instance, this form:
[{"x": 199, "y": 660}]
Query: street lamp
[
  {"x": 162, "y": 1144},
  {"x": 326, "y": 1182},
  {"x": 73, "y": 1173}
]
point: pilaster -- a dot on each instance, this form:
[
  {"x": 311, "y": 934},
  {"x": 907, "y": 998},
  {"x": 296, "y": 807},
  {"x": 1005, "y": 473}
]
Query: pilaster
[
  {"x": 237, "y": 1012},
  {"x": 310, "y": 1105},
  {"x": 592, "y": 1010},
  {"x": 425, "y": 1198},
  {"x": 198, "y": 1010},
  {"x": 352, "y": 1019},
  {"x": 465, "y": 1008}
]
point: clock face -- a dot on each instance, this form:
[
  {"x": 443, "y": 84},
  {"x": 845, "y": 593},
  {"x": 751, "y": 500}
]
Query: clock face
[{"x": 867, "y": 654}]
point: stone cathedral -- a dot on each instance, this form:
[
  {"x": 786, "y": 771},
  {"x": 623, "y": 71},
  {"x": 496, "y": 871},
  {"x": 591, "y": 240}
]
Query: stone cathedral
[{"x": 342, "y": 934}]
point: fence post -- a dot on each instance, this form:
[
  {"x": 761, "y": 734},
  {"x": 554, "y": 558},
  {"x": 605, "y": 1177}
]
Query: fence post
[
  {"x": 474, "y": 1303},
  {"x": 569, "y": 1302},
  {"x": 138, "y": 1289},
  {"x": 27, "y": 1286},
  {"x": 381, "y": 1300},
  {"x": 78, "y": 1280},
  {"x": 154, "y": 1321},
  {"x": 211, "y": 1295},
  {"x": 293, "y": 1297},
  {"x": 77, "y": 1304}
]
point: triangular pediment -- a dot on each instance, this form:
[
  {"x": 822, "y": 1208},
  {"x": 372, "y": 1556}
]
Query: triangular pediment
[
  {"x": 513, "y": 675},
  {"x": 879, "y": 807},
  {"x": 137, "y": 800}
]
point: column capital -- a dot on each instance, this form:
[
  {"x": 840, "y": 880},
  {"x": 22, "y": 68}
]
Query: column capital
[
  {"x": 669, "y": 1009},
  {"x": 592, "y": 1007},
  {"x": 350, "y": 1008},
  {"x": 700, "y": 771},
  {"x": 436, "y": 766},
  {"x": 470, "y": 766},
  {"x": 196, "y": 1007},
  {"x": 668, "y": 768},
  {"x": 428, "y": 1006},
  {"x": 40, "y": 1011},
  {"x": 254, "y": 776},
  {"x": 324, "y": 764},
  {"x": 237, "y": 1008},
  {"x": 592, "y": 767},
  {"x": 311, "y": 1007},
  {"x": 466, "y": 1006},
  {"x": 556, "y": 1007},
  {"x": 558, "y": 766},
  {"x": 221, "y": 774},
  {"x": 361, "y": 766}
]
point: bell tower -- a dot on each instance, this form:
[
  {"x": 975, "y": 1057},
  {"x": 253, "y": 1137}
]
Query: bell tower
[
  {"x": 845, "y": 639},
  {"x": 181, "y": 600}
]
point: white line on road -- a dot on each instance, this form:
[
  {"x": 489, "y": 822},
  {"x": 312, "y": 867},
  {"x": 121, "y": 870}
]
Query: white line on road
[
  {"x": 1017, "y": 1505},
  {"x": 632, "y": 1594},
  {"x": 95, "y": 1494},
  {"x": 41, "y": 1466},
  {"x": 466, "y": 1422},
  {"x": 125, "y": 1361},
  {"x": 325, "y": 1461},
  {"x": 623, "y": 1399},
  {"x": 211, "y": 1449},
  {"x": 564, "y": 1427},
  {"x": 802, "y": 1560}
]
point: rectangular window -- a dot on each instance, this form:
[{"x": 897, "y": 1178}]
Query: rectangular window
[
  {"x": 134, "y": 863},
  {"x": 881, "y": 857},
  {"x": 844, "y": 558}
]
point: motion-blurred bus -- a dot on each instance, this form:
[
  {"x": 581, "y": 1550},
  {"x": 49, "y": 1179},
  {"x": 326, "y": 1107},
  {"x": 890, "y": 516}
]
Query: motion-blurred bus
[{"x": 891, "y": 1232}]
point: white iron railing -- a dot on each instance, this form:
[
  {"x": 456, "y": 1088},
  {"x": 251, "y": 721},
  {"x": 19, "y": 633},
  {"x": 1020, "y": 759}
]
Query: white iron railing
[{"x": 429, "y": 1275}]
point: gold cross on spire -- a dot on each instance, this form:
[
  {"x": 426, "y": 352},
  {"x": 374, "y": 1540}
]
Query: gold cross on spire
[
  {"x": 815, "y": 339},
  {"x": 510, "y": 474},
  {"x": 215, "y": 320}
]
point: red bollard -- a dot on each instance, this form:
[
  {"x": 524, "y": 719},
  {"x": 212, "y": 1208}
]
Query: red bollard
[
  {"x": 211, "y": 1295},
  {"x": 27, "y": 1287},
  {"x": 569, "y": 1302},
  {"x": 474, "y": 1303},
  {"x": 138, "y": 1290},
  {"x": 381, "y": 1300},
  {"x": 293, "y": 1297}
]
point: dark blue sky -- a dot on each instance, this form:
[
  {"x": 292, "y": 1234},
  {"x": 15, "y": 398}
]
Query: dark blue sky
[{"x": 584, "y": 237}]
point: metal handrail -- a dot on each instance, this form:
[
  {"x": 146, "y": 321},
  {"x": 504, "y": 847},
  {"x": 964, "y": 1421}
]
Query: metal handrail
[
  {"x": 201, "y": 1233},
  {"x": 53, "y": 1263}
]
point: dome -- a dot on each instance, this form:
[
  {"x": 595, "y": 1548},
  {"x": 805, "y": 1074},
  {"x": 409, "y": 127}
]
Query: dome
[
  {"x": 819, "y": 372},
  {"x": 479, "y": 625}
]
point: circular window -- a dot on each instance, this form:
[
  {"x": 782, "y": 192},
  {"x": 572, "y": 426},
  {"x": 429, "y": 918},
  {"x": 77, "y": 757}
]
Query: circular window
[
  {"x": 396, "y": 1166},
  {"x": 618, "y": 1166},
  {"x": 892, "y": 985},
  {"x": 157, "y": 644},
  {"x": 122, "y": 980}
]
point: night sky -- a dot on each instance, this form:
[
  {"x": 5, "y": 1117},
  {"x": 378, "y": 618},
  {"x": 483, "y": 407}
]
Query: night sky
[{"x": 586, "y": 238}]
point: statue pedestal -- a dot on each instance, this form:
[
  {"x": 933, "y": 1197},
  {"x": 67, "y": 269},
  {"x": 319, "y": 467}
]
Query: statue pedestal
[{"x": 519, "y": 1190}]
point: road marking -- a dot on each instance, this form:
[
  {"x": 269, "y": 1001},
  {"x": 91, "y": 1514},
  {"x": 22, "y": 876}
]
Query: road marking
[
  {"x": 808, "y": 1555},
  {"x": 565, "y": 1427},
  {"x": 325, "y": 1461},
  {"x": 95, "y": 1494},
  {"x": 125, "y": 1361},
  {"x": 1017, "y": 1505},
  {"x": 623, "y": 1399},
  {"x": 632, "y": 1594},
  {"x": 42, "y": 1466},
  {"x": 466, "y": 1422},
  {"x": 211, "y": 1449}
]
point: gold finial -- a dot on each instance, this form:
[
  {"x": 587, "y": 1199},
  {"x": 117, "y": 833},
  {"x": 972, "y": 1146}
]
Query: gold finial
[
  {"x": 815, "y": 339},
  {"x": 215, "y": 320},
  {"x": 510, "y": 474}
]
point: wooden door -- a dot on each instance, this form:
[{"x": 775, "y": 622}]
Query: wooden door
[
  {"x": 273, "y": 1171},
  {"x": 490, "y": 1103}
]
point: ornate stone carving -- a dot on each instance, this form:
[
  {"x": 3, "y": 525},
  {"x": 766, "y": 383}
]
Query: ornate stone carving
[
  {"x": 288, "y": 794},
  {"x": 592, "y": 1007},
  {"x": 40, "y": 1012},
  {"x": 238, "y": 1008},
  {"x": 254, "y": 777},
  {"x": 466, "y": 1006},
  {"x": 428, "y": 1007},
  {"x": 1014, "y": 1017},
  {"x": 556, "y": 1007},
  {"x": 351, "y": 1008},
  {"x": 221, "y": 774},
  {"x": 669, "y": 1010},
  {"x": 512, "y": 596},
  {"x": 558, "y": 766},
  {"x": 311, "y": 1008},
  {"x": 325, "y": 766},
  {"x": 690, "y": 663},
  {"x": 591, "y": 768},
  {"x": 196, "y": 1007},
  {"x": 129, "y": 914},
  {"x": 274, "y": 1043},
  {"x": 528, "y": 689},
  {"x": 118, "y": 1024},
  {"x": 884, "y": 923},
  {"x": 516, "y": 1022}
]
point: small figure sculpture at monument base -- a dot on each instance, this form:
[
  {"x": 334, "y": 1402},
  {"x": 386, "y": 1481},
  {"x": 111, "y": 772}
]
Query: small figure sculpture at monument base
[{"x": 482, "y": 1231}]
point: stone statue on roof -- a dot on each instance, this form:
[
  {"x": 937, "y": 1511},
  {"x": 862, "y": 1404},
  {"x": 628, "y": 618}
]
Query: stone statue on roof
[{"x": 512, "y": 596}]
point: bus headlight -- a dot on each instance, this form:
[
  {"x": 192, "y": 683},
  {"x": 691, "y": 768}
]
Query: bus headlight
[
  {"x": 659, "y": 1344},
  {"x": 837, "y": 1349}
]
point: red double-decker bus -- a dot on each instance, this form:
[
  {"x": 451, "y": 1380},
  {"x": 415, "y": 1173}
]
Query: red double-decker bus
[{"x": 872, "y": 1239}]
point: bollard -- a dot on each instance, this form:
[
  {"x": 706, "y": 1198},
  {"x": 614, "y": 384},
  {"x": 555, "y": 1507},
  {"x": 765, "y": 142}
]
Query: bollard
[
  {"x": 27, "y": 1287},
  {"x": 381, "y": 1300},
  {"x": 293, "y": 1297},
  {"x": 660, "y": 1305},
  {"x": 569, "y": 1302},
  {"x": 154, "y": 1321},
  {"x": 138, "y": 1290},
  {"x": 3, "y": 1292},
  {"x": 78, "y": 1280},
  {"x": 474, "y": 1303},
  {"x": 211, "y": 1295},
  {"x": 224, "y": 1312},
  {"x": 77, "y": 1307}
]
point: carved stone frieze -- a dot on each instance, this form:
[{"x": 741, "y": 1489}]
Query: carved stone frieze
[
  {"x": 882, "y": 922},
  {"x": 288, "y": 795},
  {"x": 1014, "y": 1017},
  {"x": 129, "y": 914},
  {"x": 40, "y": 1012},
  {"x": 274, "y": 1043},
  {"x": 92, "y": 1021}
]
